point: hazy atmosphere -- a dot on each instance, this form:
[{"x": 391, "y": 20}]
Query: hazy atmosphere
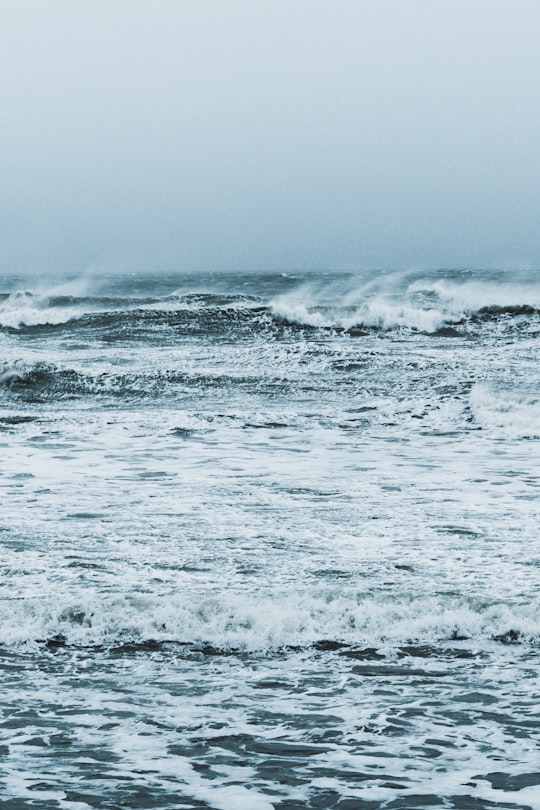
[{"x": 200, "y": 135}]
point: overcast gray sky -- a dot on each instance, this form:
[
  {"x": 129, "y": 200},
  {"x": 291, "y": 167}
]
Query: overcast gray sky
[{"x": 269, "y": 134}]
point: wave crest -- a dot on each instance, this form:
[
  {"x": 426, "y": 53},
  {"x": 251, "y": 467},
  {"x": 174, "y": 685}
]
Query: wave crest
[
  {"x": 396, "y": 301},
  {"x": 264, "y": 622}
]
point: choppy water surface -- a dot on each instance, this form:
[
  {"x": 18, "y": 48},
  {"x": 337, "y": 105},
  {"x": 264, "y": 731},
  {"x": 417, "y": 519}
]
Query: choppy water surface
[{"x": 270, "y": 541}]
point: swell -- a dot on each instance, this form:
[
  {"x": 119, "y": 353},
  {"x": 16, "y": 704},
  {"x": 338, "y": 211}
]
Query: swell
[
  {"x": 220, "y": 315},
  {"x": 41, "y": 382},
  {"x": 158, "y": 325}
]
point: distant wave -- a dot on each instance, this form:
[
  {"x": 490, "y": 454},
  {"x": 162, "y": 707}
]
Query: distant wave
[
  {"x": 422, "y": 305},
  {"x": 387, "y": 302},
  {"x": 119, "y": 319}
]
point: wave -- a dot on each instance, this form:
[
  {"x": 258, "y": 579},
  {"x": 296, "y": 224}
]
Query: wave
[
  {"x": 22, "y": 378},
  {"x": 397, "y": 301},
  {"x": 265, "y": 622},
  {"x": 42, "y": 381},
  {"x": 377, "y": 315},
  {"x": 27, "y": 310},
  {"x": 427, "y": 303}
]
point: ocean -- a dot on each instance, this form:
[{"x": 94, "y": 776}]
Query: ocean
[{"x": 270, "y": 541}]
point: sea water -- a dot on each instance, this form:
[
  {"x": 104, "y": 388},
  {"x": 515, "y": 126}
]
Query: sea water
[{"x": 270, "y": 541}]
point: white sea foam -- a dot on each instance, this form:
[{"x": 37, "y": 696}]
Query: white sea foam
[
  {"x": 512, "y": 412},
  {"x": 349, "y": 303},
  {"x": 26, "y": 309},
  {"x": 394, "y": 300},
  {"x": 378, "y": 314},
  {"x": 265, "y": 622}
]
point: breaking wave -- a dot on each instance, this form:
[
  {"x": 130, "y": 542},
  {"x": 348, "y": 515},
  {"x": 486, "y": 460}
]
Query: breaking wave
[
  {"x": 265, "y": 622},
  {"x": 195, "y": 313},
  {"x": 395, "y": 302},
  {"x": 384, "y": 302}
]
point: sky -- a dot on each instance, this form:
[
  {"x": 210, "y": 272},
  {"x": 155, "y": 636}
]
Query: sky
[{"x": 269, "y": 134}]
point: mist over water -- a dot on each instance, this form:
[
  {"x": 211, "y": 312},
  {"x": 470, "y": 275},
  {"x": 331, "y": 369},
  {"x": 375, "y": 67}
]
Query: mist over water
[{"x": 183, "y": 136}]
